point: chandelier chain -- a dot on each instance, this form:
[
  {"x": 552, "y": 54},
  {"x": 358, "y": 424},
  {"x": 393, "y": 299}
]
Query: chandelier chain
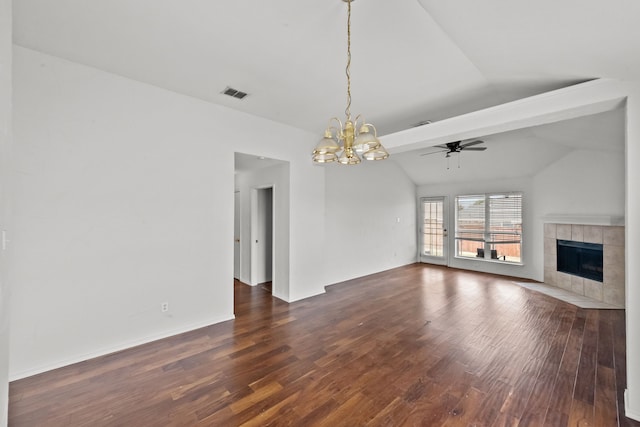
[{"x": 347, "y": 110}]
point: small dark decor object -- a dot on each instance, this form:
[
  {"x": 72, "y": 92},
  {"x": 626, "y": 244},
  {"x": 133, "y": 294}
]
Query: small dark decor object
[{"x": 480, "y": 253}]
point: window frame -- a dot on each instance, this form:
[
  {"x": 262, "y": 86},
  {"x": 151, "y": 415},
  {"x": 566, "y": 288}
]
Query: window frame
[{"x": 486, "y": 233}]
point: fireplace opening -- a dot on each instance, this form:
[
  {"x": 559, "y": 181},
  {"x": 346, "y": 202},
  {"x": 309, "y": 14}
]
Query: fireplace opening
[{"x": 580, "y": 259}]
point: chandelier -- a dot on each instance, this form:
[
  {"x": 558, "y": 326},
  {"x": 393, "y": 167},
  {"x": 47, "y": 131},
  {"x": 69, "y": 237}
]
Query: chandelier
[{"x": 345, "y": 143}]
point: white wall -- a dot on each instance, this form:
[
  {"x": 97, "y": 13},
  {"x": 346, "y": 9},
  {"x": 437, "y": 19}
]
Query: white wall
[
  {"x": 363, "y": 205},
  {"x": 632, "y": 229},
  {"x": 569, "y": 185},
  {"x": 124, "y": 201},
  {"x": 566, "y": 187},
  {"x": 276, "y": 177},
  {"x": 5, "y": 144}
]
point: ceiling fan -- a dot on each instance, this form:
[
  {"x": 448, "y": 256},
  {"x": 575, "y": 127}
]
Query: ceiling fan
[{"x": 457, "y": 146}]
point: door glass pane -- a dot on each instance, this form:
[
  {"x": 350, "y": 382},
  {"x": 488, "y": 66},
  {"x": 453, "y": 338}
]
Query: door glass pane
[{"x": 433, "y": 228}]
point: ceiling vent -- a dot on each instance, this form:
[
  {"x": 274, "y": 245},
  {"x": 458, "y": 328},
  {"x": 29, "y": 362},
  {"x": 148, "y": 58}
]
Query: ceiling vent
[
  {"x": 234, "y": 93},
  {"x": 422, "y": 123}
]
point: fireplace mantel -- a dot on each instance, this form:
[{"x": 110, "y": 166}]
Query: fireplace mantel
[{"x": 610, "y": 220}]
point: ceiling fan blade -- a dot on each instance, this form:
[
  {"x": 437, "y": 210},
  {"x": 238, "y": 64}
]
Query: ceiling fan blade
[
  {"x": 442, "y": 146},
  {"x": 469, "y": 144},
  {"x": 473, "y": 148},
  {"x": 434, "y": 152}
]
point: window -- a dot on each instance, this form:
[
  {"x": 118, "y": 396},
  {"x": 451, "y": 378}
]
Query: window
[{"x": 489, "y": 226}]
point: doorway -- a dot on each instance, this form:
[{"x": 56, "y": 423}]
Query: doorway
[
  {"x": 434, "y": 247},
  {"x": 263, "y": 216}
]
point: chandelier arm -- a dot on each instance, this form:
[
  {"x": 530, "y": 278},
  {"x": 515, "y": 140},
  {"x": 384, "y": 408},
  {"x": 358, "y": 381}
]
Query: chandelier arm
[
  {"x": 375, "y": 131},
  {"x": 355, "y": 121},
  {"x": 337, "y": 130},
  {"x": 337, "y": 120}
]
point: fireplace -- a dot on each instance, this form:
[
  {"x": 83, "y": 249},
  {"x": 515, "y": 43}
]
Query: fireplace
[
  {"x": 580, "y": 275},
  {"x": 580, "y": 259}
]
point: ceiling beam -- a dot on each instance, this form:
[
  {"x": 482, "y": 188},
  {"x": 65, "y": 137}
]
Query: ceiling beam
[{"x": 592, "y": 97}]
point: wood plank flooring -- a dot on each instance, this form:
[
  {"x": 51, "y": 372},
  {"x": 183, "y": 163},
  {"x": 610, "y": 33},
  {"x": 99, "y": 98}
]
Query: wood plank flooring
[{"x": 415, "y": 346}]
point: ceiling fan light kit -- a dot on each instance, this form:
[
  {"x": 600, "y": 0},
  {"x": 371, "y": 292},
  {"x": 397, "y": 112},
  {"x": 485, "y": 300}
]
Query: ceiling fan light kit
[{"x": 345, "y": 143}]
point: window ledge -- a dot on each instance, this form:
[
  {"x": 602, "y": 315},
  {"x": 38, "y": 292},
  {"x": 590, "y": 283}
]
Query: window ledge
[{"x": 492, "y": 261}]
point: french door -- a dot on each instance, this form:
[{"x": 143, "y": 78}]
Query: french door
[{"x": 433, "y": 222}]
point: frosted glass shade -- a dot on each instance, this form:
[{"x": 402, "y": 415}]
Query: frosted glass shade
[
  {"x": 349, "y": 157},
  {"x": 376, "y": 154},
  {"x": 324, "y": 157},
  {"x": 327, "y": 145},
  {"x": 365, "y": 140}
]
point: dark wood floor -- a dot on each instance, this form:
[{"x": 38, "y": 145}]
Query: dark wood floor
[{"x": 415, "y": 346}]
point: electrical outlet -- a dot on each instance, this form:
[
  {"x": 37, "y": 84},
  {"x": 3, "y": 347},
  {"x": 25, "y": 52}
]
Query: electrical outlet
[{"x": 164, "y": 307}]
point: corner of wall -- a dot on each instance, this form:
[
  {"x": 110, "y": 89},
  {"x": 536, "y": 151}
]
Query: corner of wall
[{"x": 628, "y": 412}]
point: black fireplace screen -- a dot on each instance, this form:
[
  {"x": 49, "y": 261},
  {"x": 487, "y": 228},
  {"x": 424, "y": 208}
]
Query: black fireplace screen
[{"x": 580, "y": 259}]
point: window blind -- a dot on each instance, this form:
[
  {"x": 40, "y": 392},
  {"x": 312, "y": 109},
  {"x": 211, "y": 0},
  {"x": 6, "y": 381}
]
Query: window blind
[{"x": 505, "y": 224}]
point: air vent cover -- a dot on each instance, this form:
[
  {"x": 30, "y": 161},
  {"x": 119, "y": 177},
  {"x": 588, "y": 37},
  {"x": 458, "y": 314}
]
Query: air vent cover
[{"x": 234, "y": 92}]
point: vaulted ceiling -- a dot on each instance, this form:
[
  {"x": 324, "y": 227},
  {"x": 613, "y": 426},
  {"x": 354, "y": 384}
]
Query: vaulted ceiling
[{"x": 413, "y": 60}]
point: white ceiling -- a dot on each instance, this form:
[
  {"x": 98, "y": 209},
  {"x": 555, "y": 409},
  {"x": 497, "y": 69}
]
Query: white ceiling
[{"x": 413, "y": 60}]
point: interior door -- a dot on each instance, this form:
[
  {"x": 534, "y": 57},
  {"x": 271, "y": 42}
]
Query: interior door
[
  {"x": 264, "y": 236},
  {"x": 434, "y": 230},
  {"x": 236, "y": 237}
]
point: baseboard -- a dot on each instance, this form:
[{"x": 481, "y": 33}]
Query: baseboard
[
  {"x": 14, "y": 376},
  {"x": 303, "y": 296},
  {"x": 346, "y": 279},
  {"x": 627, "y": 411}
]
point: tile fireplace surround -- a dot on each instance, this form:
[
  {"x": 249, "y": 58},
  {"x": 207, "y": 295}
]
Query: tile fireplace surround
[{"x": 611, "y": 290}]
